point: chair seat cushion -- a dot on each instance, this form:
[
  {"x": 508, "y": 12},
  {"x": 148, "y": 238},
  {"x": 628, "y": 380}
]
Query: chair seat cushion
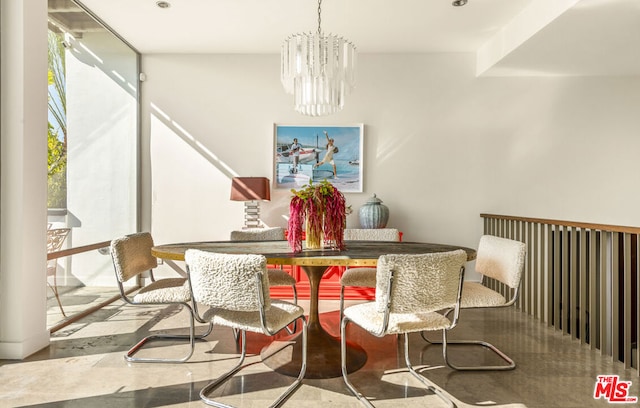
[
  {"x": 278, "y": 315},
  {"x": 359, "y": 277},
  {"x": 366, "y": 316},
  {"x": 170, "y": 290},
  {"x": 278, "y": 277},
  {"x": 474, "y": 294}
]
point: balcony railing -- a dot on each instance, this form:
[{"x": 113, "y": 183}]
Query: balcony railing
[{"x": 580, "y": 278}]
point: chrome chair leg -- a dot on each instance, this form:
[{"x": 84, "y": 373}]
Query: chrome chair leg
[
  {"x": 510, "y": 363},
  {"x": 154, "y": 337},
  {"x": 341, "y": 302},
  {"x": 343, "y": 359},
  {"x": 428, "y": 384},
  {"x": 214, "y": 384},
  {"x": 343, "y": 365},
  {"x": 239, "y": 366}
]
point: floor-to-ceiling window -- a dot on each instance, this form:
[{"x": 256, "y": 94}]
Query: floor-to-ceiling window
[{"x": 93, "y": 151}]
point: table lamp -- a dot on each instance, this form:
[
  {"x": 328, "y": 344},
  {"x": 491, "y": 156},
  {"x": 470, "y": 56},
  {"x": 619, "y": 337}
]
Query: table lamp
[{"x": 250, "y": 190}]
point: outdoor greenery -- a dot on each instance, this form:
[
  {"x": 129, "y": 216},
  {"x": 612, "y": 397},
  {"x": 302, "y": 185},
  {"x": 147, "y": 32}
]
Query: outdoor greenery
[{"x": 57, "y": 131}]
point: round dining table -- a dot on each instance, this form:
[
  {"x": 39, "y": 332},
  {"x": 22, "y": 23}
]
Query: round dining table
[{"x": 323, "y": 360}]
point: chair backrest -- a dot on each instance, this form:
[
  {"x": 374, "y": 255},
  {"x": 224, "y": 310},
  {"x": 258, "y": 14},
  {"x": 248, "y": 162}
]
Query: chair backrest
[
  {"x": 258, "y": 234},
  {"x": 131, "y": 255},
  {"x": 421, "y": 282},
  {"x": 228, "y": 281},
  {"x": 55, "y": 238},
  {"x": 372, "y": 234},
  {"x": 501, "y": 259}
]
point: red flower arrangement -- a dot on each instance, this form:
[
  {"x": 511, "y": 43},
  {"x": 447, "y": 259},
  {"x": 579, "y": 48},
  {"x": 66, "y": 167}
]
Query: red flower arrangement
[{"x": 323, "y": 208}]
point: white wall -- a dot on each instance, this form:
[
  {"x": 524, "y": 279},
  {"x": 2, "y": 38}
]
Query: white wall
[{"x": 441, "y": 146}]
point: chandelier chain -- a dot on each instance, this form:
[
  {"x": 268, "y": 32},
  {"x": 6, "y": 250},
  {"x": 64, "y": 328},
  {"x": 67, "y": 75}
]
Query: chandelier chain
[{"x": 319, "y": 18}]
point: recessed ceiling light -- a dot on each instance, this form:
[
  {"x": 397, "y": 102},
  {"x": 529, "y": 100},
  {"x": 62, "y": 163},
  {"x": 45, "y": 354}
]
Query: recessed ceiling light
[
  {"x": 163, "y": 4},
  {"x": 459, "y": 3}
]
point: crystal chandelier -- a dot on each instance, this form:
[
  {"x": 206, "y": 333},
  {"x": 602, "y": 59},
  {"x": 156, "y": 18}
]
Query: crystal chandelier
[{"x": 319, "y": 70}]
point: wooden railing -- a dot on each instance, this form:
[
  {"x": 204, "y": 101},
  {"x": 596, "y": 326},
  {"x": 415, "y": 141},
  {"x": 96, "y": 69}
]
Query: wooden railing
[
  {"x": 80, "y": 250},
  {"x": 77, "y": 250},
  {"x": 580, "y": 278}
]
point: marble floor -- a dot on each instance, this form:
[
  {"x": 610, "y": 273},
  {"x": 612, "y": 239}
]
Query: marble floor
[
  {"x": 84, "y": 367},
  {"x": 76, "y": 300}
]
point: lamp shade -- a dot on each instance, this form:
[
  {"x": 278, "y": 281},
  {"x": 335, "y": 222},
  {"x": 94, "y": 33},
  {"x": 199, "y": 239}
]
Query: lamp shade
[{"x": 250, "y": 189}]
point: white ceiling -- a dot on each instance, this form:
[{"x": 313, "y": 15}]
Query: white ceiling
[{"x": 574, "y": 37}]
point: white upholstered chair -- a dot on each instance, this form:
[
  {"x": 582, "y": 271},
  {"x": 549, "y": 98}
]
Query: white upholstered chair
[
  {"x": 503, "y": 260},
  {"x": 364, "y": 277},
  {"x": 236, "y": 290},
  {"x": 410, "y": 290},
  {"x": 132, "y": 256},
  {"x": 277, "y": 277}
]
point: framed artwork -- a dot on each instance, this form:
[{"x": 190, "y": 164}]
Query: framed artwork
[{"x": 305, "y": 153}]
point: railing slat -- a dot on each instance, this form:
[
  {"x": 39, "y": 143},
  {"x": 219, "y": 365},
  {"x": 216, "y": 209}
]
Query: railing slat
[
  {"x": 573, "y": 283},
  {"x": 557, "y": 293},
  {"x": 593, "y": 282},
  {"x": 615, "y": 309},
  {"x": 605, "y": 295},
  {"x": 534, "y": 250},
  {"x": 525, "y": 287},
  {"x": 549, "y": 273},
  {"x": 627, "y": 300},
  {"x": 564, "y": 281},
  {"x": 584, "y": 284},
  {"x": 637, "y": 265}
]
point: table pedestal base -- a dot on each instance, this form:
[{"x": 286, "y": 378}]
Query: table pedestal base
[{"x": 284, "y": 355}]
